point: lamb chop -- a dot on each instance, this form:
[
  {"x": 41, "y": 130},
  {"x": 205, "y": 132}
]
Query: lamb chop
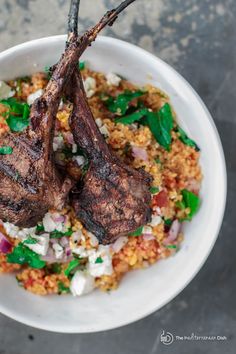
[
  {"x": 30, "y": 182},
  {"x": 113, "y": 199}
]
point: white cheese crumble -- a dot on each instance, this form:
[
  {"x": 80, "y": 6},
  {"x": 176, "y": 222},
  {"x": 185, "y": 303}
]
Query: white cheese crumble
[
  {"x": 58, "y": 143},
  {"x": 15, "y": 232},
  {"x": 104, "y": 266},
  {"x": 90, "y": 86},
  {"x": 33, "y": 96},
  {"x": 156, "y": 220},
  {"x": 58, "y": 250},
  {"x": 80, "y": 160},
  {"x": 50, "y": 224},
  {"x": 113, "y": 79},
  {"x": 98, "y": 122},
  {"x": 74, "y": 148},
  {"x": 41, "y": 247},
  {"x": 5, "y": 91},
  {"x": 82, "y": 283},
  {"x": 93, "y": 239},
  {"x": 104, "y": 131}
]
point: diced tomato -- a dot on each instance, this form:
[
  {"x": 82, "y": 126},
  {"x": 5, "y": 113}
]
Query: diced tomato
[{"x": 161, "y": 199}]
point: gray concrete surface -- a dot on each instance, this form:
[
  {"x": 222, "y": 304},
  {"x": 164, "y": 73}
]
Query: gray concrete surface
[{"x": 198, "y": 39}]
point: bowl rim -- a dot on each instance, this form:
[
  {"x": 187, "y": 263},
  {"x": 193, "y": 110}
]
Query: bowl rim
[{"x": 107, "y": 40}]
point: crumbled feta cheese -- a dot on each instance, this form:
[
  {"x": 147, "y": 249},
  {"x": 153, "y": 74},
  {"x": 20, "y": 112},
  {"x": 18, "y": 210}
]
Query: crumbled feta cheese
[
  {"x": 51, "y": 225},
  {"x": 58, "y": 142},
  {"x": 81, "y": 251},
  {"x": 5, "y": 91},
  {"x": 74, "y": 148},
  {"x": 79, "y": 159},
  {"x": 76, "y": 236},
  {"x": 147, "y": 230},
  {"x": 98, "y": 122},
  {"x": 119, "y": 243},
  {"x": 58, "y": 249},
  {"x": 11, "y": 229},
  {"x": 41, "y": 247},
  {"x": 104, "y": 131},
  {"x": 89, "y": 86},
  {"x": 103, "y": 268},
  {"x": 93, "y": 239},
  {"x": 33, "y": 96},
  {"x": 82, "y": 283},
  {"x": 156, "y": 220},
  {"x": 61, "y": 105},
  {"x": 113, "y": 79}
]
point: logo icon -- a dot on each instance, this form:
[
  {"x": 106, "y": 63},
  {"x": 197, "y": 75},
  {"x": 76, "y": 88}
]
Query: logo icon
[{"x": 167, "y": 338}]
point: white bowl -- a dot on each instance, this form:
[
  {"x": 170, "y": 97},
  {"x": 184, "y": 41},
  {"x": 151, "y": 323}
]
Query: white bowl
[{"x": 145, "y": 291}]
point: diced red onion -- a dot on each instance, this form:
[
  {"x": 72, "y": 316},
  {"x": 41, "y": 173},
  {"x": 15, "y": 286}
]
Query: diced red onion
[
  {"x": 58, "y": 218},
  {"x": 139, "y": 153},
  {"x": 173, "y": 232},
  {"x": 64, "y": 241},
  {"x": 5, "y": 245},
  {"x": 148, "y": 237},
  {"x": 68, "y": 251}
]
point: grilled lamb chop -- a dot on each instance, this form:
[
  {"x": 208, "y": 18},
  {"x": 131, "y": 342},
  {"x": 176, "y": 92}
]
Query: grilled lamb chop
[
  {"x": 30, "y": 182},
  {"x": 113, "y": 199}
]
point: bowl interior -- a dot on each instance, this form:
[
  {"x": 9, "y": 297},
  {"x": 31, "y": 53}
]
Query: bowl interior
[{"x": 140, "y": 292}]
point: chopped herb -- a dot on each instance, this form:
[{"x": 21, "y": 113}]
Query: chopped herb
[
  {"x": 168, "y": 222},
  {"x": 48, "y": 71},
  {"x": 30, "y": 241},
  {"x": 23, "y": 255},
  {"x": 99, "y": 260},
  {"x": 121, "y": 103},
  {"x": 154, "y": 190},
  {"x": 6, "y": 150},
  {"x": 180, "y": 205},
  {"x": 157, "y": 160},
  {"x": 191, "y": 201},
  {"x": 17, "y": 117},
  {"x": 186, "y": 140},
  {"x": 138, "y": 232},
  {"x": 72, "y": 266},
  {"x": 161, "y": 124},
  {"x": 59, "y": 234},
  {"x": 62, "y": 289},
  {"x": 39, "y": 228},
  {"x": 56, "y": 268},
  {"x": 81, "y": 65},
  {"x": 171, "y": 246},
  {"x": 133, "y": 117}
]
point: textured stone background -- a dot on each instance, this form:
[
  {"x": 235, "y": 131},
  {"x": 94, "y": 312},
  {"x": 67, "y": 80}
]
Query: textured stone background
[{"x": 198, "y": 39}]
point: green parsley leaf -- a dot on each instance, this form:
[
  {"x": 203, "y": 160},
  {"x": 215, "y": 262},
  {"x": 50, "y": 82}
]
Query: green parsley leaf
[
  {"x": 72, "y": 266},
  {"x": 62, "y": 289},
  {"x": 56, "y": 268},
  {"x": 81, "y": 65},
  {"x": 6, "y": 150},
  {"x": 171, "y": 246},
  {"x": 23, "y": 255},
  {"x": 154, "y": 190},
  {"x": 180, "y": 205},
  {"x": 48, "y": 71},
  {"x": 30, "y": 241},
  {"x": 161, "y": 124},
  {"x": 186, "y": 140},
  {"x": 59, "y": 234},
  {"x": 121, "y": 103},
  {"x": 17, "y": 115},
  {"x": 99, "y": 260},
  {"x": 168, "y": 222},
  {"x": 39, "y": 228},
  {"x": 138, "y": 232},
  {"x": 191, "y": 201},
  {"x": 133, "y": 117}
]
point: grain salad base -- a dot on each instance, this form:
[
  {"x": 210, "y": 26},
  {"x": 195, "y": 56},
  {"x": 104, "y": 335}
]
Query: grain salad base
[{"x": 172, "y": 172}]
